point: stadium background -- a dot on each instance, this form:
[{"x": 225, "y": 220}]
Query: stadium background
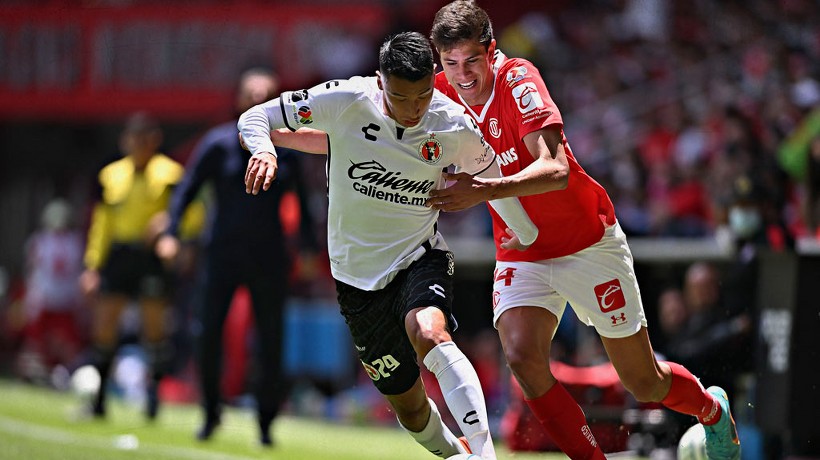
[{"x": 666, "y": 103}]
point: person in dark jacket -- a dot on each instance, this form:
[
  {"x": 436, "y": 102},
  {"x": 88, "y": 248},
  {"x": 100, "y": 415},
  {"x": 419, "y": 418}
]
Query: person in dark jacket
[{"x": 243, "y": 235}]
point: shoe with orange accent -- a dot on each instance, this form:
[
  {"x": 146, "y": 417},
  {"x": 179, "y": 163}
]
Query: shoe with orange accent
[
  {"x": 722, "y": 442},
  {"x": 465, "y": 445}
]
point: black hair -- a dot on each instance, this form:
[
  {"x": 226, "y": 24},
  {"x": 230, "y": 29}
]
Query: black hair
[
  {"x": 406, "y": 55},
  {"x": 460, "y": 21}
]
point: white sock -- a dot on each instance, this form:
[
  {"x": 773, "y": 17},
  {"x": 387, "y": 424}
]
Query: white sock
[
  {"x": 462, "y": 391},
  {"x": 435, "y": 436}
]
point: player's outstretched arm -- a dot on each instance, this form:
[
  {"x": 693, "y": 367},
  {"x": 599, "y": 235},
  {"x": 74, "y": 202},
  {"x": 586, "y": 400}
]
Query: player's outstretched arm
[
  {"x": 548, "y": 172},
  {"x": 254, "y": 127}
]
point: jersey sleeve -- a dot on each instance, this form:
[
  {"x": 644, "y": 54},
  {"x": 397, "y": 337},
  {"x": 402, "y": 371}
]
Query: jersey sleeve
[
  {"x": 528, "y": 100},
  {"x": 318, "y": 107},
  {"x": 477, "y": 157},
  {"x": 475, "y": 154}
]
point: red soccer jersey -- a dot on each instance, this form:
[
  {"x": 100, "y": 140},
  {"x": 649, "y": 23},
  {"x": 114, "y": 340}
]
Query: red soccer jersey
[{"x": 568, "y": 220}]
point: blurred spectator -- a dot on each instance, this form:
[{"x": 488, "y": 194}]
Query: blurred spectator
[
  {"x": 128, "y": 216},
  {"x": 753, "y": 217},
  {"x": 244, "y": 246},
  {"x": 672, "y": 318},
  {"x": 710, "y": 327},
  {"x": 54, "y": 263}
]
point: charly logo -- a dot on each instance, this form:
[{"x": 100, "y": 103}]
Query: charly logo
[
  {"x": 495, "y": 130},
  {"x": 526, "y": 97},
  {"x": 300, "y": 95},
  {"x": 610, "y": 295},
  {"x": 430, "y": 150}
]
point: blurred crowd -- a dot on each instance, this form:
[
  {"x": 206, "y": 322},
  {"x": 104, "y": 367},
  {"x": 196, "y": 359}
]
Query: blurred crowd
[
  {"x": 701, "y": 119},
  {"x": 670, "y": 103}
]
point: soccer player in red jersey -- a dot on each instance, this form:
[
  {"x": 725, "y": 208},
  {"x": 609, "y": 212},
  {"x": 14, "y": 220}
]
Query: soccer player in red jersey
[{"x": 581, "y": 255}]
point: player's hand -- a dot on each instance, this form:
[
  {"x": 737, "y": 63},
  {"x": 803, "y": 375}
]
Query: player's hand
[
  {"x": 260, "y": 172},
  {"x": 512, "y": 241},
  {"x": 89, "y": 282},
  {"x": 464, "y": 191},
  {"x": 167, "y": 248}
]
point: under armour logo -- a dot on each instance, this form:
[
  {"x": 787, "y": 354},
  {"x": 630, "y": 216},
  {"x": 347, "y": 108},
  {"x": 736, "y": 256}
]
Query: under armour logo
[
  {"x": 369, "y": 136},
  {"x": 610, "y": 296},
  {"x": 438, "y": 290},
  {"x": 621, "y": 319},
  {"x": 470, "y": 421}
]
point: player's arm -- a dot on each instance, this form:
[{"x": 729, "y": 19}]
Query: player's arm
[
  {"x": 318, "y": 107},
  {"x": 521, "y": 230},
  {"x": 477, "y": 157},
  {"x": 306, "y": 140},
  {"x": 255, "y": 126},
  {"x": 549, "y": 172}
]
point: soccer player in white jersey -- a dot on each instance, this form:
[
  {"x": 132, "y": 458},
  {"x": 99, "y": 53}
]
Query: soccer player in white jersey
[
  {"x": 389, "y": 138},
  {"x": 581, "y": 255}
]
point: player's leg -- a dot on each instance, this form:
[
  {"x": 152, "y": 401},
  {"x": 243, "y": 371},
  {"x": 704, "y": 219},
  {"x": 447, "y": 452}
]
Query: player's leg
[
  {"x": 158, "y": 348},
  {"x": 426, "y": 295},
  {"x": 676, "y": 388},
  {"x": 616, "y": 311},
  {"x": 526, "y": 336},
  {"x": 420, "y": 417},
  {"x": 154, "y": 290},
  {"x": 105, "y": 321},
  {"x": 391, "y": 363},
  {"x": 218, "y": 285},
  {"x": 268, "y": 293},
  {"x": 456, "y": 376}
]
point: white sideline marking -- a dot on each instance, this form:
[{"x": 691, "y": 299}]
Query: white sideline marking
[{"x": 58, "y": 436}]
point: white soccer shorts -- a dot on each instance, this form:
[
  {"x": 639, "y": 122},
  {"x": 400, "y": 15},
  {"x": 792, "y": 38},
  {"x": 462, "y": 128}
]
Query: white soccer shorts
[{"x": 598, "y": 282}]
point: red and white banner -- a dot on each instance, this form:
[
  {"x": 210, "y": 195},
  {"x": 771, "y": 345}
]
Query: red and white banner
[{"x": 180, "y": 61}]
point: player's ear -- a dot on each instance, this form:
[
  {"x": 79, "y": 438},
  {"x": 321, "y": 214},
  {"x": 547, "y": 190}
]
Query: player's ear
[
  {"x": 379, "y": 80},
  {"x": 491, "y": 48}
]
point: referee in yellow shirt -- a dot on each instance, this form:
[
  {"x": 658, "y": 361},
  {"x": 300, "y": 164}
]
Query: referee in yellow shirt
[{"x": 128, "y": 216}]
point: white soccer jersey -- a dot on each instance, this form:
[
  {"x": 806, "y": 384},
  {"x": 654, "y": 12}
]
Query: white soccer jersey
[{"x": 379, "y": 173}]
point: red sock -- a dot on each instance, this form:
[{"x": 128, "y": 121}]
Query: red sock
[
  {"x": 687, "y": 395},
  {"x": 564, "y": 420}
]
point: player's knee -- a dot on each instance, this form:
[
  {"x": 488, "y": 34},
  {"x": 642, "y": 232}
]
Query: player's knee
[
  {"x": 523, "y": 360},
  {"x": 424, "y": 339},
  {"x": 424, "y": 335}
]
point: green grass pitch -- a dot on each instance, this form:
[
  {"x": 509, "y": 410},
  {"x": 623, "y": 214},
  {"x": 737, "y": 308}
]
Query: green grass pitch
[{"x": 41, "y": 424}]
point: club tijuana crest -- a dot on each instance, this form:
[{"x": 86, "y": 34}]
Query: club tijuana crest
[{"x": 430, "y": 149}]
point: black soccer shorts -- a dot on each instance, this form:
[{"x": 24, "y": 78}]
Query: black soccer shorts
[
  {"x": 135, "y": 271},
  {"x": 376, "y": 318}
]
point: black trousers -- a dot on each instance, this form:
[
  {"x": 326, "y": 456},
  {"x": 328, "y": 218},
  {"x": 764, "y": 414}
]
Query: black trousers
[{"x": 267, "y": 283}]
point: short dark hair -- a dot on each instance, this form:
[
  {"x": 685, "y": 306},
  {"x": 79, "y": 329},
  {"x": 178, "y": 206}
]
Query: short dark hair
[
  {"x": 141, "y": 122},
  {"x": 459, "y": 21},
  {"x": 406, "y": 55}
]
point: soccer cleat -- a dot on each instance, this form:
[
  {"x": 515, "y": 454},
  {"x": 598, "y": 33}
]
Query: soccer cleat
[
  {"x": 265, "y": 420},
  {"x": 722, "y": 442},
  {"x": 265, "y": 439},
  {"x": 465, "y": 445},
  {"x": 208, "y": 428}
]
